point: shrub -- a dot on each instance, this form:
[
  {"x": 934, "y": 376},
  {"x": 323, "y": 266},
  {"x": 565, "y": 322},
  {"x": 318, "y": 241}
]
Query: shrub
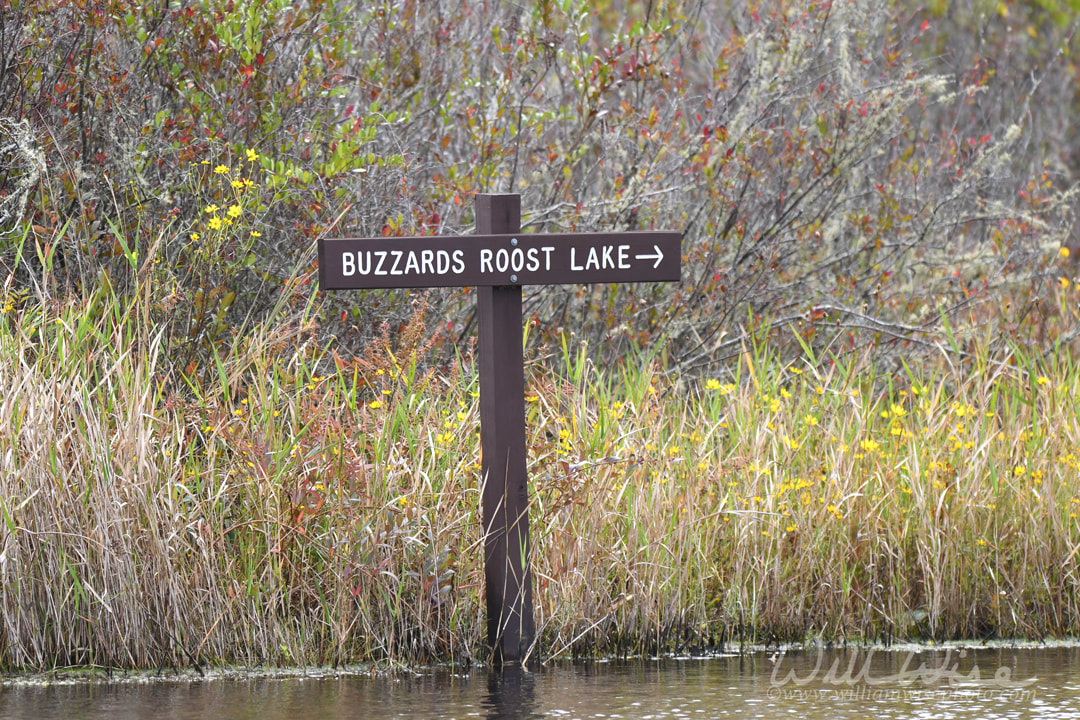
[{"x": 835, "y": 174}]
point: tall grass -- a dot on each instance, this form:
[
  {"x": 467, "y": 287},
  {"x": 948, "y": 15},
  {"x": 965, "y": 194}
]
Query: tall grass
[
  {"x": 285, "y": 506},
  {"x": 810, "y": 500}
]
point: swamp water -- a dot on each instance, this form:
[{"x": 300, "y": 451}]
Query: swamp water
[{"x": 1000, "y": 682}]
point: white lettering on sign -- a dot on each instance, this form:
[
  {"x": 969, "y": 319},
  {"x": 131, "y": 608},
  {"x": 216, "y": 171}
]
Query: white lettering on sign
[
  {"x": 515, "y": 259},
  {"x": 493, "y": 261},
  {"x": 402, "y": 262},
  {"x": 606, "y": 257}
]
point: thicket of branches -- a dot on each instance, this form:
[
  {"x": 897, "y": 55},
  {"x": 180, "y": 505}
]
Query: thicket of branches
[{"x": 864, "y": 173}]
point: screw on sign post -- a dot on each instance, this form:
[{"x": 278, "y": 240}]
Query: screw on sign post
[{"x": 498, "y": 260}]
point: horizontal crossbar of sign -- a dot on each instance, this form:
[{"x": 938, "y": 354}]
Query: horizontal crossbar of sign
[{"x": 523, "y": 259}]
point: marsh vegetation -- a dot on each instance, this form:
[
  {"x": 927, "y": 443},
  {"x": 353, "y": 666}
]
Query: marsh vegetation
[{"x": 855, "y": 418}]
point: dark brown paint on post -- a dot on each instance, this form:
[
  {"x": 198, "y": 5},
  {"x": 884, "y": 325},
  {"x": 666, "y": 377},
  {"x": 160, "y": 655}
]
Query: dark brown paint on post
[{"x": 505, "y": 501}]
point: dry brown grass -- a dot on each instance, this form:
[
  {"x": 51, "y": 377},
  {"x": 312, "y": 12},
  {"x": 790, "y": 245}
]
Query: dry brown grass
[{"x": 284, "y": 508}]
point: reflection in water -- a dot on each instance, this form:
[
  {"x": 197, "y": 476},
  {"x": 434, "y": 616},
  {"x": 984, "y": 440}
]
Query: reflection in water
[
  {"x": 511, "y": 695},
  {"x": 845, "y": 684}
]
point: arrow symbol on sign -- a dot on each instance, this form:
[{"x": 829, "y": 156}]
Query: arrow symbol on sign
[{"x": 659, "y": 257}]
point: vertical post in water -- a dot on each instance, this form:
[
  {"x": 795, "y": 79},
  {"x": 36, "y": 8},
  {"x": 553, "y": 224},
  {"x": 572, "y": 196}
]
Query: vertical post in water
[{"x": 505, "y": 500}]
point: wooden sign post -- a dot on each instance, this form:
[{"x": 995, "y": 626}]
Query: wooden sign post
[{"x": 498, "y": 260}]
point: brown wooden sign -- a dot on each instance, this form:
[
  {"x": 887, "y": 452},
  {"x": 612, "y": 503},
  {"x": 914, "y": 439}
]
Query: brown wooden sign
[
  {"x": 507, "y": 259},
  {"x": 498, "y": 261}
]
